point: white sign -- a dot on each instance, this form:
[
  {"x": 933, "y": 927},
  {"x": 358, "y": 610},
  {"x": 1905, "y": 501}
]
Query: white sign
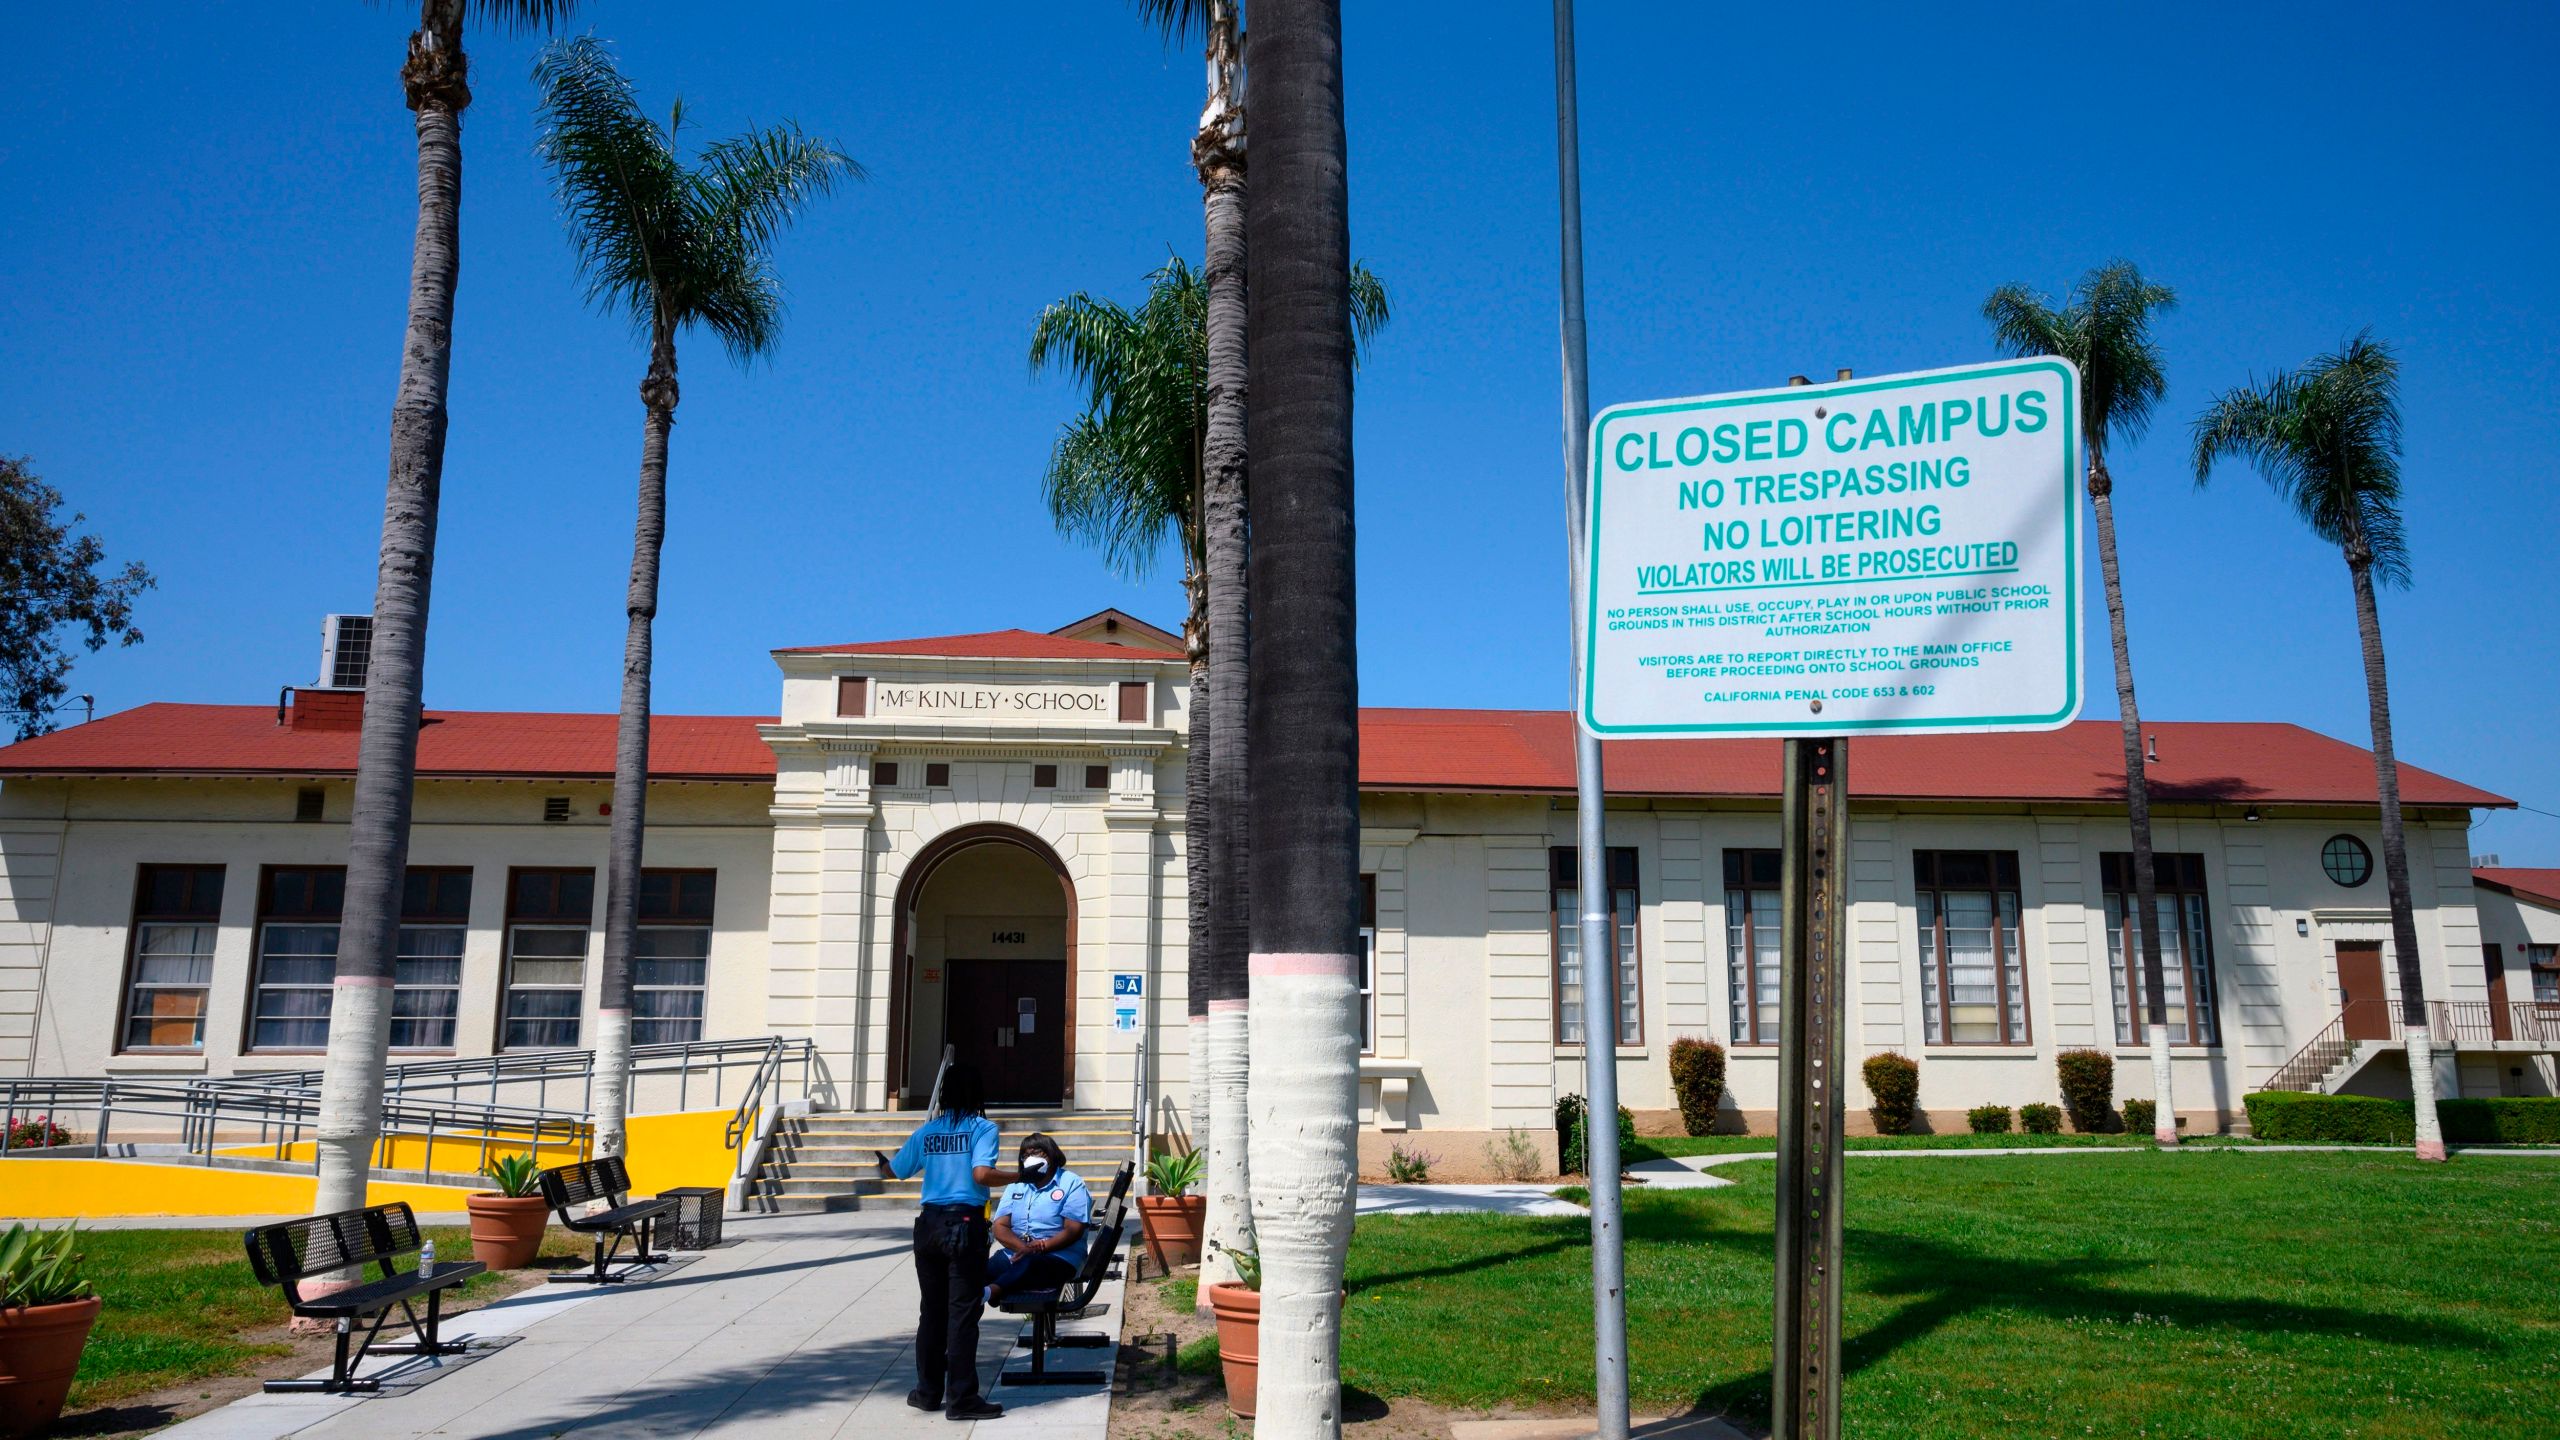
[
  {"x": 993, "y": 700},
  {"x": 1895, "y": 555},
  {"x": 1124, "y": 1017}
]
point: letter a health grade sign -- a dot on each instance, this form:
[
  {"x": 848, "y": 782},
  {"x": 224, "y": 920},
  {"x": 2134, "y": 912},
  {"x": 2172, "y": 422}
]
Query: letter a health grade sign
[{"x": 1893, "y": 555}]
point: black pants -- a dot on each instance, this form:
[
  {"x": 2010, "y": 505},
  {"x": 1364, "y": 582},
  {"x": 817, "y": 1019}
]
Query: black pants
[
  {"x": 1030, "y": 1272},
  {"x": 951, "y": 1278}
]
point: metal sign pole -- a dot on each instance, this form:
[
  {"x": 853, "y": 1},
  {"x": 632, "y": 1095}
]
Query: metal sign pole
[
  {"x": 1598, "y": 951},
  {"x": 1813, "y": 888}
]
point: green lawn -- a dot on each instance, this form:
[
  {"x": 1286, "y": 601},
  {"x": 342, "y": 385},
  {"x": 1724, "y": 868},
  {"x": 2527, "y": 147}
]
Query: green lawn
[
  {"x": 179, "y": 1302},
  {"x": 1656, "y": 1147},
  {"x": 2140, "y": 1294}
]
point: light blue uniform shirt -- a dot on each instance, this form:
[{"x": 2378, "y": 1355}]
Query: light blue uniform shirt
[
  {"x": 1037, "y": 1212},
  {"x": 949, "y": 1151}
]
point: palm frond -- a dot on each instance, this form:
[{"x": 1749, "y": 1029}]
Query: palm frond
[
  {"x": 519, "y": 17},
  {"x": 2326, "y": 439},
  {"x": 2024, "y": 323},
  {"x": 2104, "y": 329},
  {"x": 1176, "y": 19},
  {"x": 1369, "y": 313},
  {"x": 669, "y": 245},
  {"x": 1113, "y": 495}
]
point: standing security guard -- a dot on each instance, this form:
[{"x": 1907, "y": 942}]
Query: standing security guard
[{"x": 956, "y": 1150}]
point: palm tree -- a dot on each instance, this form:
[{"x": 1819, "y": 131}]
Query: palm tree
[
  {"x": 2104, "y": 328},
  {"x": 671, "y": 246},
  {"x": 1221, "y": 892},
  {"x": 2326, "y": 437},
  {"x": 436, "y": 82},
  {"x": 1303, "y": 714}
]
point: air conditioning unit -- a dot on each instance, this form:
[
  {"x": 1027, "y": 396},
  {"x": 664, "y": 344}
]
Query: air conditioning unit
[{"x": 346, "y": 652}]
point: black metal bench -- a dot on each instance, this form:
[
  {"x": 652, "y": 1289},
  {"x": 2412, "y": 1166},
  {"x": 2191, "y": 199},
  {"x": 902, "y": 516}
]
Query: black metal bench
[
  {"x": 296, "y": 1252},
  {"x": 1120, "y": 1179},
  {"x": 606, "y": 1181},
  {"x": 1044, "y": 1307}
]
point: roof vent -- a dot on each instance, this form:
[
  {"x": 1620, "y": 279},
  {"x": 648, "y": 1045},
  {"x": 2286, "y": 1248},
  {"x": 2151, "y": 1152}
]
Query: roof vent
[
  {"x": 555, "y": 808},
  {"x": 346, "y": 652},
  {"x": 2485, "y": 862}
]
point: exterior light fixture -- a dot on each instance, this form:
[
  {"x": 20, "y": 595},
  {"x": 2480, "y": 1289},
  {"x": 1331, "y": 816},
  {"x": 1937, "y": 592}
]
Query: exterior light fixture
[
  {"x": 2301, "y": 925},
  {"x": 2250, "y": 815}
]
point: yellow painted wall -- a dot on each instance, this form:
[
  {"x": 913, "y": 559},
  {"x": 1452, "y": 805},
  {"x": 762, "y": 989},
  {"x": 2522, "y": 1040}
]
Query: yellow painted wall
[
  {"x": 456, "y": 1155},
  {"x": 96, "y": 1189},
  {"x": 665, "y": 1151}
]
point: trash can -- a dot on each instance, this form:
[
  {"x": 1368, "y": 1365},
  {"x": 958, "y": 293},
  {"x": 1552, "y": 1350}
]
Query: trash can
[{"x": 698, "y": 1210}]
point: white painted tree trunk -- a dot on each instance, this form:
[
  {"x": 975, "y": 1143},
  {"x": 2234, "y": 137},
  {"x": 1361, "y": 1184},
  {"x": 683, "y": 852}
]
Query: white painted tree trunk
[
  {"x": 1305, "y": 1107},
  {"x": 612, "y": 1080},
  {"x": 2422, "y": 1089},
  {"x": 1196, "y": 1119},
  {"x": 1228, "y": 1228},
  {"x": 351, "y": 1091},
  {"x": 2164, "y": 1121}
]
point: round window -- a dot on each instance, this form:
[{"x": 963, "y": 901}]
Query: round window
[{"x": 2346, "y": 860}]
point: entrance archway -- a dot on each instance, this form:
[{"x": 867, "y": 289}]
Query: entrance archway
[{"x": 986, "y": 963}]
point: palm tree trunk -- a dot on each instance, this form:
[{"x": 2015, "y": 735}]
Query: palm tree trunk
[
  {"x": 387, "y": 746},
  {"x": 2395, "y": 858},
  {"x": 1218, "y": 151},
  {"x": 658, "y": 396},
  {"x": 1303, "y": 712},
  {"x": 2143, "y": 915},
  {"x": 1195, "y": 805}
]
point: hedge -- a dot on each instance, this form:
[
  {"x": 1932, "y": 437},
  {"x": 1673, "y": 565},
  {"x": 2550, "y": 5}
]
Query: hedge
[
  {"x": 1570, "y": 1110},
  {"x": 1893, "y": 1083},
  {"x": 2139, "y": 1115},
  {"x": 2040, "y": 1119},
  {"x": 2296, "y": 1118},
  {"x": 1697, "y": 1078},
  {"x": 2512, "y": 1120},
  {"x": 1988, "y": 1119},
  {"x": 2088, "y": 1079}
]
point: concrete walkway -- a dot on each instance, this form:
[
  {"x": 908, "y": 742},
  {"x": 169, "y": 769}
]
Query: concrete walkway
[{"x": 802, "y": 1328}]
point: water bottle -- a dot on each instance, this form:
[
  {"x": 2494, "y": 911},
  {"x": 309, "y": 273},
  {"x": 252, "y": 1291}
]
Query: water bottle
[{"x": 427, "y": 1258}]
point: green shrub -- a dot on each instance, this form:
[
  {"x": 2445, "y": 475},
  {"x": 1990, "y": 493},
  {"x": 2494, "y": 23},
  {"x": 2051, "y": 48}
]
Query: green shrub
[
  {"x": 1697, "y": 1077},
  {"x": 2040, "y": 1119},
  {"x": 2299, "y": 1119},
  {"x": 2512, "y": 1120},
  {"x": 516, "y": 1176},
  {"x": 2088, "y": 1088},
  {"x": 41, "y": 1267},
  {"x": 1988, "y": 1119},
  {"x": 1893, "y": 1085},
  {"x": 1175, "y": 1173},
  {"x": 2139, "y": 1116},
  {"x": 1569, "y": 1120},
  {"x": 1409, "y": 1167}
]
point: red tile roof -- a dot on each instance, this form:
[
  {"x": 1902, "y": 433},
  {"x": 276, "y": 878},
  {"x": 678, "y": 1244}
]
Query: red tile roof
[
  {"x": 2540, "y": 886},
  {"x": 1475, "y": 751},
  {"x": 246, "y": 740},
  {"x": 993, "y": 645},
  {"x": 1532, "y": 751}
]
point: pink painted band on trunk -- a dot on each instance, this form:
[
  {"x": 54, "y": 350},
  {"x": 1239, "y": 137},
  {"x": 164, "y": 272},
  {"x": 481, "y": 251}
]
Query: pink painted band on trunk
[
  {"x": 1228, "y": 1004},
  {"x": 383, "y": 982},
  {"x": 1299, "y": 963}
]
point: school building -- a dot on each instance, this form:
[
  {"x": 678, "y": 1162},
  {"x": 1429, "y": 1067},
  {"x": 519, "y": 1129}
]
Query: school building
[{"x": 977, "y": 842}]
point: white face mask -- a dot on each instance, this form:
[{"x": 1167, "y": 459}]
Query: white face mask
[{"x": 1035, "y": 1168}]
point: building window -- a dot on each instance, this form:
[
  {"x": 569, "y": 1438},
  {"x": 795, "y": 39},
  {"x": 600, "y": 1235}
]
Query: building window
[
  {"x": 885, "y": 774},
  {"x": 1753, "y": 928},
  {"x": 1368, "y": 964},
  {"x": 1097, "y": 777},
  {"x": 1133, "y": 702},
  {"x": 1565, "y": 913},
  {"x": 851, "y": 694},
  {"x": 435, "y": 911},
  {"x": 2186, "y": 948},
  {"x": 298, "y": 909},
  {"x": 1973, "y": 973},
  {"x": 2346, "y": 860},
  {"x": 548, "y": 912},
  {"x": 2544, "y": 963},
  {"x": 310, "y": 803},
  {"x": 177, "y": 912},
  {"x": 937, "y": 776},
  {"x": 671, "y": 958},
  {"x": 1044, "y": 777}
]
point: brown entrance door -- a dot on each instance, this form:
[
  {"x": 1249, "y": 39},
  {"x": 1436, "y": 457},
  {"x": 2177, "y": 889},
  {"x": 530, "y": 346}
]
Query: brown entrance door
[
  {"x": 1009, "y": 1018},
  {"x": 2501, "y": 1021},
  {"x": 2368, "y": 1008}
]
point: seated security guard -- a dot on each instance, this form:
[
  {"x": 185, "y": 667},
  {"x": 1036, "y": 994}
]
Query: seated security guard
[{"x": 1040, "y": 1223}]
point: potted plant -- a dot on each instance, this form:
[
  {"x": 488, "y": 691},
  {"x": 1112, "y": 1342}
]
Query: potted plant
[
  {"x": 46, "y": 1312},
  {"x": 507, "y": 1223},
  {"x": 1238, "y": 1306},
  {"x": 1171, "y": 1217}
]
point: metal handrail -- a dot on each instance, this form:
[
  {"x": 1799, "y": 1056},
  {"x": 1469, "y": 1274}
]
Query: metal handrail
[
  {"x": 2330, "y": 1047},
  {"x": 933, "y": 1102}
]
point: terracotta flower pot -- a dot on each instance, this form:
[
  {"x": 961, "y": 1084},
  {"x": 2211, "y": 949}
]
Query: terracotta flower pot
[
  {"x": 1239, "y": 1313},
  {"x": 1172, "y": 1225},
  {"x": 506, "y": 1230},
  {"x": 39, "y": 1349}
]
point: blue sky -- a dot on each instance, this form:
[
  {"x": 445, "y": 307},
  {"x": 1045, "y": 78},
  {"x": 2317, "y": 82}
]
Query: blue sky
[{"x": 207, "y": 247}]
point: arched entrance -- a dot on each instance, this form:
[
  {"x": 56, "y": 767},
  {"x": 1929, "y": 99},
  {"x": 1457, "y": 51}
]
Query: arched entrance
[{"x": 986, "y": 964}]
